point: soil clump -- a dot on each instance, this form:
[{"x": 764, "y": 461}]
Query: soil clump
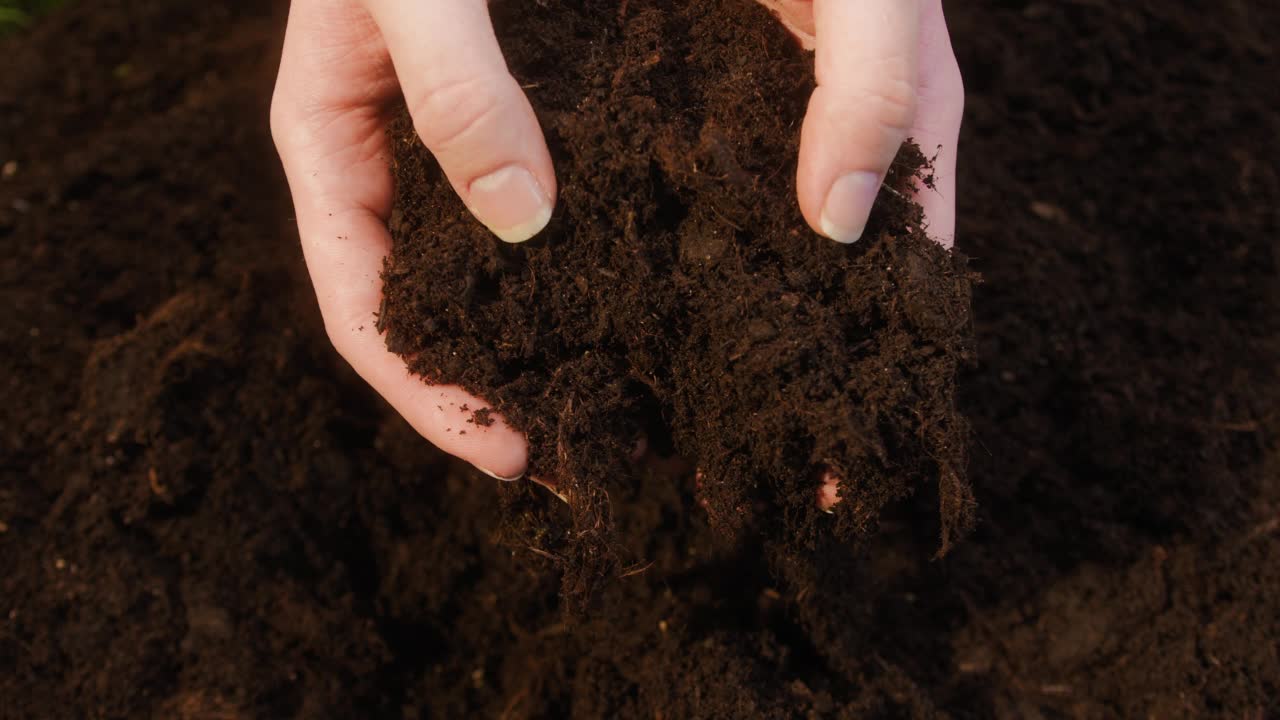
[{"x": 678, "y": 296}]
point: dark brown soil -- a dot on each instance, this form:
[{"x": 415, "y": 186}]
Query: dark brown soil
[
  {"x": 204, "y": 514},
  {"x": 678, "y": 293}
]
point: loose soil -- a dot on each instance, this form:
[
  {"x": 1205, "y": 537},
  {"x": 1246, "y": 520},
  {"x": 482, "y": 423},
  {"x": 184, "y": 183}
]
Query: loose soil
[
  {"x": 679, "y": 297},
  {"x": 203, "y": 512}
]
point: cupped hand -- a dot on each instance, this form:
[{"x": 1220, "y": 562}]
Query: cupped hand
[{"x": 885, "y": 72}]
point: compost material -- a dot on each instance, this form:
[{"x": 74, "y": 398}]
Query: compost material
[
  {"x": 205, "y": 514},
  {"x": 678, "y": 298}
]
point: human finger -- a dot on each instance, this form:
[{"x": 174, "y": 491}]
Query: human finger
[
  {"x": 863, "y": 108},
  {"x": 470, "y": 112},
  {"x": 327, "y": 122}
]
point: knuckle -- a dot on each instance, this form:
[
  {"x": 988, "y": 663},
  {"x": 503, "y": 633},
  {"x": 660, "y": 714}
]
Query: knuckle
[
  {"x": 943, "y": 98},
  {"x": 340, "y": 315},
  {"x": 955, "y": 84},
  {"x": 451, "y": 113},
  {"x": 291, "y": 131},
  {"x": 279, "y": 120},
  {"x": 893, "y": 103},
  {"x": 337, "y": 327},
  {"x": 337, "y": 336}
]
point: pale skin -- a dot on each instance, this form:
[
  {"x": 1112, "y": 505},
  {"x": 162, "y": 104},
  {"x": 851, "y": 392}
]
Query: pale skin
[{"x": 885, "y": 71}]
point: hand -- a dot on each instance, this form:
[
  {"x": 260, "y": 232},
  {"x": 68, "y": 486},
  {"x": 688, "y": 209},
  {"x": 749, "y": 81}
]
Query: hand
[
  {"x": 885, "y": 72},
  {"x": 337, "y": 83}
]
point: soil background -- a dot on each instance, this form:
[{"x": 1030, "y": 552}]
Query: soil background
[{"x": 204, "y": 514}]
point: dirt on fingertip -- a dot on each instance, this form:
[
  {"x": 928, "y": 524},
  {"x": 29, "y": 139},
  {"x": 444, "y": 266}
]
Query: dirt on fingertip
[{"x": 679, "y": 296}]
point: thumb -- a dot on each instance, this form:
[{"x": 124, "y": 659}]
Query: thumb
[
  {"x": 860, "y": 113},
  {"x": 470, "y": 113}
]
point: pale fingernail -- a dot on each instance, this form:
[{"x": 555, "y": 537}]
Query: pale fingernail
[
  {"x": 844, "y": 216},
  {"x": 496, "y": 476},
  {"x": 511, "y": 203}
]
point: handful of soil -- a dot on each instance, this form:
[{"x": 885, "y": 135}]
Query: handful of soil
[{"x": 678, "y": 295}]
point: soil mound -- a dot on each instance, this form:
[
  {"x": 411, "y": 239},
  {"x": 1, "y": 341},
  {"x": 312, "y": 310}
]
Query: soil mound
[{"x": 678, "y": 295}]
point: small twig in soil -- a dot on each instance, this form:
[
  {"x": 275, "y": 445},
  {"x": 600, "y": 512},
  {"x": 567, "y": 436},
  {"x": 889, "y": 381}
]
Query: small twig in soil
[
  {"x": 545, "y": 554},
  {"x": 1265, "y": 528},
  {"x": 636, "y": 569},
  {"x": 552, "y": 488}
]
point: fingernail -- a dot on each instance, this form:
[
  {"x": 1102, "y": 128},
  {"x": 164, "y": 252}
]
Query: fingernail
[
  {"x": 496, "y": 476},
  {"x": 511, "y": 203},
  {"x": 844, "y": 216}
]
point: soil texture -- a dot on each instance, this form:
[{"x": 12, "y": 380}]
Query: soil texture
[
  {"x": 205, "y": 514},
  {"x": 679, "y": 297}
]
